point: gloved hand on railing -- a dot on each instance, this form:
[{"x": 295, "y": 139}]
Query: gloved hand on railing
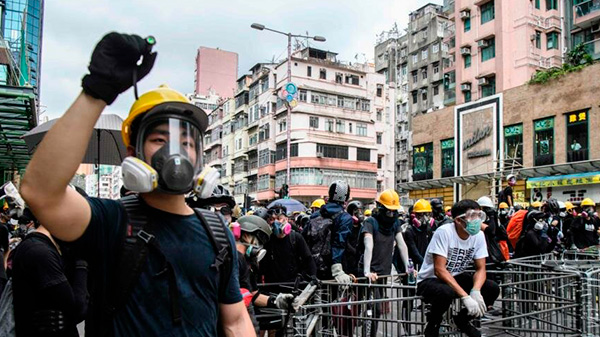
[{"x": 340, "y": 276}]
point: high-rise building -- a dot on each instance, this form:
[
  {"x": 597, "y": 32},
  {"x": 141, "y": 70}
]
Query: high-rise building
[
  {"x": 498, "y": 45},
  {"x": 216, "y": 72},
  {"x": 582, "y": 18},
  {"x": 22, "y": 22}
]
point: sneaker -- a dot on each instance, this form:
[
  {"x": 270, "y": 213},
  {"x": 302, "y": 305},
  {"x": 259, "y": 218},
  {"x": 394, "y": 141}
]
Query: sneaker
[
  {"x": 432, "y": 330},
  {"x": 464, "y": 325}
]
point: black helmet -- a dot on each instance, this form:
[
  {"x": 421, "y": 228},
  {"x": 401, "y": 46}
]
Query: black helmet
[
  {"x": 339, "y": 191},
  {"x": 353, "y": 206},
  {"x": 437, "y": 206},
  {"x": 278, "y": 209},
  {"x": 302, "y": 219},
  {"x": 262, "y": 213},
  {"x": 552, "y": 206},
  {"x": 220, "y": 195},
  {"x": 256, "y": 226},
  {"x": 534, "y": 216}
]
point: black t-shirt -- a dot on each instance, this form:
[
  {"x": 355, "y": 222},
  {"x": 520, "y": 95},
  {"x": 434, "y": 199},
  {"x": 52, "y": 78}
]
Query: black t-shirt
[
  {"x": 383, "y": 247},
  {"x": 185, "y": 244},
  {"x": 4, "y": 246},
  {"x": 506, "y": 192},
  {"x": 247, "y": 279},
  {"x": 284, "y": 262},
  {"x": 40, "y": 283}
]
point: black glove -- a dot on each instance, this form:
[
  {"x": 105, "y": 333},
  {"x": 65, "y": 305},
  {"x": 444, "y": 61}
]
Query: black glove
[{"x": 112, "y": 65}]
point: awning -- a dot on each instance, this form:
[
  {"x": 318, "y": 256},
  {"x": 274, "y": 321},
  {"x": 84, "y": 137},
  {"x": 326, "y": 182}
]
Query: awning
[
  {"x": 565, "y": 180},
  {"x": 18, "y": 114},
  {"x": 552, "y": 172}
]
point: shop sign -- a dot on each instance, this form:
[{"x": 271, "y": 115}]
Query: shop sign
[
  {"x": 567, "y": 180},
  {"x": 478, "y": 135},
  {"x": 477, "y": 154},
  {"x": 514, "y": 130},
  {"x": 577, "y": 117},
  {"x": 447, "y": 144},
  {"x": 544, "y": 124}
]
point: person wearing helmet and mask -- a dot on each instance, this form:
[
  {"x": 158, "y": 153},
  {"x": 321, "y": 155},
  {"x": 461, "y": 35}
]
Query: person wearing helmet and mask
[
  {"x": 327, "y": 235},
  {"x": 439, "y": 216},
  {"x": 163, "y": 137},
  {"x": 442, "y": 279},
  {"x": 316, "y": 205},
  {"x": 379, "y": 233},
  {"x": 567, "y": 214},
  {"x": 252, "y": 233},
  {"x": 368, "y": 213},
  {"x": 489, "y": 227},
  {"x": 351, "y": 254},
  {"x": 536, "y": 240},
  {"x": 536, "y": 206},
  {"x": 419, "y": 231},
  {"x": 585, "y": 227}
]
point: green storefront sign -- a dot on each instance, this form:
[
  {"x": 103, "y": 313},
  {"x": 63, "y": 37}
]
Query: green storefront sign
[
  {"x": 447, "y": 144},
  {"x": 514, "y": 130},
  {"x": 544, "y": 124}
]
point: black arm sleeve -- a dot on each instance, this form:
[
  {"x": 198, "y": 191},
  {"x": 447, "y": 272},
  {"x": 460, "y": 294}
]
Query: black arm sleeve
[
  {"x": 81, "y": 296},
  {"x": 413, "y": 251},
  {"x": 308, "y": 263}
]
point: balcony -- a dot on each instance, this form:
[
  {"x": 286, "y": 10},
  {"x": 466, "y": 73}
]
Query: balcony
[
  {"x": 585, "y": 13},
  {"x": 593, "y": 48},
  {"x": 544, "y": 159},
  {"x": 578, "y": 155},
  {"x": 449, "y": 97}
]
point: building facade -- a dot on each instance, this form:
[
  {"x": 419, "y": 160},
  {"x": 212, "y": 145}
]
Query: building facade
[
  {"x": 583, "y": 20},
  {"x": 216, "y": 72},
  {"x": 542, "y": 133}
]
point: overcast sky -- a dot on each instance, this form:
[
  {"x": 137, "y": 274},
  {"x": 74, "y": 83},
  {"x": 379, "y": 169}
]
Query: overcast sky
[{"x": 72, "y": 28}]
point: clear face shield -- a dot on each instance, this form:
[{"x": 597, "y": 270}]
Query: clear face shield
[{"x": 173, "y": 147}]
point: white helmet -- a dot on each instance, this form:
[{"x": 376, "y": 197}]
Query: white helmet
[
  {"x": 485, "y": 202},
  {"x": 339, "y": 191},
  {"x": 562, "y": 206}
]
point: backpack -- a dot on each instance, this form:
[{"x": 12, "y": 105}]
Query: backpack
[
  {"x": 7, "y": 312},
  {"x": 318, "y": 238},
  {"x": 515, "y": 227},
  {"x": 138, "y": 241}
]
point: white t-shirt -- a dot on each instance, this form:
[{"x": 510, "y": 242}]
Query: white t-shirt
[{"x": 459, "y": 253}]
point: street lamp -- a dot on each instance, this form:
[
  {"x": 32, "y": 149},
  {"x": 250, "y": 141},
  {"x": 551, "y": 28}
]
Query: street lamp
[{"x": 288, "y": 122}]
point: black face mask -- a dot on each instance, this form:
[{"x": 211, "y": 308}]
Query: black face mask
[{"x": 175, "y": 172}]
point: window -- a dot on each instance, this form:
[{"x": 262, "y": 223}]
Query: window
[
  {"x": 513, "y": 145},
  {"x": 352, "y": 79},
  {"x": 467, "y": 23},
  {"x": 282, "y": 125},
  {"x": 309, "y": 71},
  {"x": 339, "y": 78},
  {"x": 436, "y": 90},
  {"x": 264, "y": 182},
  {"x": 424, "y": 73},
  {"x": 577, "y": 136},
  {"x": 323, "y": 74},
  {"x": 340, "y": 126},
  {"x": 543, "y": 141},
  {"x": 488, "y": 52},
  {"x": 313, "y": 122},
  {"x": 363, "y": 154},
  {"x": 404, "y": 70},
  {"x": 490, "y": 88},
  {"x": 423, "y": 162},
  {"x": 537, "y": 4},
  {"x": 379, "y": 90},
  {"x": 379, "y": 114},
  {"x": 552, "y": 40},
  {"x": 424, "y": 54},
  {"x": 324, "y": 177},
  {"x": 329, "y": 125},
  {"x": 361, "y": 129},
  {"x": 414, "y": 97},
  {"x": 415, "y": 77},
  {"x": 467, "y": 61},
  {"x": 447, "y": 158},
  {"x": 379, "y": 162},
  {"x": 415, "y": 58},
  {"x": 436, "y": 68},
  {"x": 281, "y": 151},
  {"x": 551, "y": 5},
  {"x": 264, "y": 157},
  {"x": 487, "y": 12},
  {"x": 467, "y": 95},
  {"x": 538, "y": 39},
  {"x": 264, "y": 132},
  {"x": 379, "y": 137},
  {"x": 435, "y": 48},
  {"x": 332, "y": 151},
  {"x": 302, "y": 95},
  {"x": 424, "y": 95},
  {"x": 350, "y": 128},
  {"x": 238, "y": 144}
]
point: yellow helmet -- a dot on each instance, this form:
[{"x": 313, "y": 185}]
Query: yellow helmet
[
  {"x": 367, "y": 212},
  {"x": 250, "y": 213},
  {"x": 153, "y": 98},
  {"x": 447, "y": 208},
  {"x": 569, "y": 205},
  {"x": 588, "y": 202},
  {"x": 536, "y": 204},
  {"x": 503, "y": 205},
  {"x": 422, "y": 206},
  {"x": 389, "y": 199},
  {"x": 317, "y": 203}
]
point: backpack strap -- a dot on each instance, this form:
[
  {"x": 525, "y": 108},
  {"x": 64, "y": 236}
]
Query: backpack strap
[
  {"x": 217, "y": 233},
  {"x": 134, "y": 253}
]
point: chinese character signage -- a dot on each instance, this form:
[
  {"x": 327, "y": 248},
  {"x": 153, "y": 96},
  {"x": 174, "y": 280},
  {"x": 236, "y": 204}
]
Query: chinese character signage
[
  {"x": 544, "y": 124},
  {"x": 513, "y": 130},
  {"x": 567, "y": 180},
  {"x": 577, "y": 117},
  {"x": 447, "y": 144}
]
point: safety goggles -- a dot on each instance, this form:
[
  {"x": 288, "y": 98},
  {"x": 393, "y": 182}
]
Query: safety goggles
[
  {"x": 473, "y": 214},
  {"x": 388, "y": 213}
]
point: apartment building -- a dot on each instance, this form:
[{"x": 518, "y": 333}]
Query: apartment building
[{"x": 583, "y": 20}]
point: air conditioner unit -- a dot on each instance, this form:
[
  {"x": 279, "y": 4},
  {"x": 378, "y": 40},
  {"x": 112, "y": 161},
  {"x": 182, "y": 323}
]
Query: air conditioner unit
[
  {"x": 483, "y": 81},
  {"x": 595, "y": 28},
  {"x": 465, "y": 15},
  {"x": 532, "y": 37},
  {"x": 465, "y": 51},
  {"x": 482, "y": 43},
  {"x": 465, "y": 87},
  {"x": 319, "y": 154}
]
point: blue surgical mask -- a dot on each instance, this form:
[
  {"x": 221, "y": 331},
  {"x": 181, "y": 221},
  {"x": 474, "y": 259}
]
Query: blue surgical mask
[{"x": 473, "y": 226}]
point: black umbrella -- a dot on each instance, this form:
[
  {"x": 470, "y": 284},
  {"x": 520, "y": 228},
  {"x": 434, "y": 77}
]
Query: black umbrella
[{"x": 104, "y": 148}]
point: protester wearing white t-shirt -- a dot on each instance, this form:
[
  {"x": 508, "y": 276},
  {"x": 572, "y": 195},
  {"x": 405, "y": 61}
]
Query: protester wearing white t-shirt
[{"x": 452, "y": 250}]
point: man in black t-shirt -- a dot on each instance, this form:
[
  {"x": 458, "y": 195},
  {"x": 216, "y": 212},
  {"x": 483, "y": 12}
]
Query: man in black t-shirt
[
  {"x": 506, "y": 195},
  {"x": 178, "y": 291}
]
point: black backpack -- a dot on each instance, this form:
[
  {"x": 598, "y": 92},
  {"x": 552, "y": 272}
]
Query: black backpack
[
  {"x": 137, "y": 242},
  {"x": 318, "y": 238}
]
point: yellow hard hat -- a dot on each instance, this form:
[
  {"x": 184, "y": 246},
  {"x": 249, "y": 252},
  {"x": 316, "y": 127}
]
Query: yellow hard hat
[
  {"x": 367, "y": 212},
  {"x": 447, "y": 208},
  {"x": 250, "y": 213},
  {"x": 422, "y": 206},
  {"x": 588, "y": 202},
  {"x": 503, "y": 205},
  {"x": 389, "y": 199},
  {"x": 153, "y": 98},
  {"x": 317, "y": 203},
  {"x": 569, "y": 205},
  {"x": 536, "y": 204}
]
